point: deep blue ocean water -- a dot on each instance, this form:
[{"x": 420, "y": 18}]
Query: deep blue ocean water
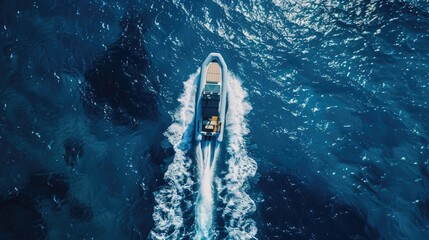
[{"x": 338, "y": 126}]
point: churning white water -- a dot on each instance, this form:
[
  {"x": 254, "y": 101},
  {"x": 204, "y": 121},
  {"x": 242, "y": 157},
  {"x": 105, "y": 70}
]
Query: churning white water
[
  {"x": 207, "y": 153},
  {"x": 168, "y": 211}
]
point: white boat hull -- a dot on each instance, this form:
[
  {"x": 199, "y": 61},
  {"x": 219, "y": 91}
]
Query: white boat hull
[{"x": 200, "y": 131}]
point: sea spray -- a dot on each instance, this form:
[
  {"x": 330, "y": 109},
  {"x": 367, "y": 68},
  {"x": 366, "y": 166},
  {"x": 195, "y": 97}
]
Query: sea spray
[
  {"x": 232, "y": 189},
  {"x": 168, "y": 210}
]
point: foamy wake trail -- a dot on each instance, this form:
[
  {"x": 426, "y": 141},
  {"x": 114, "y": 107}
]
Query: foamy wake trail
[
  {"x": 232, "y": 189},
  {"x": 206, "y": 157},
  {"x": 169, "y": 201}
]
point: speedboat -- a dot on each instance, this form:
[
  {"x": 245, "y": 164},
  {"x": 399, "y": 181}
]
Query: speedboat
[{"x": 211, "y": 99}]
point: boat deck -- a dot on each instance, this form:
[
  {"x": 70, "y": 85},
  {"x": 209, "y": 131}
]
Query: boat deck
[{"x": 214, "y": 73}]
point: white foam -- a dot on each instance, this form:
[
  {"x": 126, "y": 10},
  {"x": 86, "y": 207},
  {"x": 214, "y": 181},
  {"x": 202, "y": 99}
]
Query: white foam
[
  {"x": 168, "y": 212},
  {"x": 206, "y": 158},
  {"x": 238, "y": 205}
]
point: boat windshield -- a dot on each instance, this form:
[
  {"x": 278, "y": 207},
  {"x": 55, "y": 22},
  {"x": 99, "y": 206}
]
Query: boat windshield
[{"x": 212, "y": 88}]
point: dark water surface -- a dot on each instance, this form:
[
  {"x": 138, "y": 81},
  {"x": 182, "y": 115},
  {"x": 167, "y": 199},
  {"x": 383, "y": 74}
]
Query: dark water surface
[{"x": 339, "y": 125}]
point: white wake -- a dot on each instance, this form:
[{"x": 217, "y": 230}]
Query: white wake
[
  {"x": 207, "y": 153},
  {"x": 171, "y": 200},
  {"x": 168, "y": 210},
  {"x": 241, "y": 167}
]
